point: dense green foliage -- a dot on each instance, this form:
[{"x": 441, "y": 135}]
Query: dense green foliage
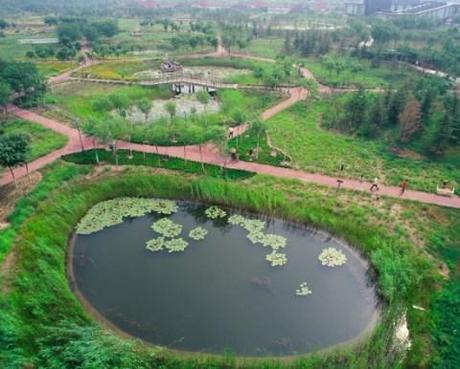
[
  {"x": 156, "y": 161},
  {"x": 42, "y": 140},
  {"x": 45, "y": 325},
  {"x": 104, "y": 108},
  {"x": 23, "y": 79},
  {"x": 424, "y": 116},
  {"x": 54, "y": 177},
  {"x": 300, "y": 133}
]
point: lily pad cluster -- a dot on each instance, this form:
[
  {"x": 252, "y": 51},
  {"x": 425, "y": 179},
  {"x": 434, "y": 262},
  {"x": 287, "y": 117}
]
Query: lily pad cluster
[
  {"x": 112, "y": 212},
  {"x": 176, "y": 245},
  {"x": 332, "y": 257},
  {"x": 303, "y": 290},
  {"x": 255, "y": 228},
  {"x": 198, "y": 233},
  {"x": 156, "y": 244},
  {"x": 169, "y": 239},
  {"x": 276, "y": 259},
  {"x": 215, "y": 212},
  {"x": 167, "y": 228}
]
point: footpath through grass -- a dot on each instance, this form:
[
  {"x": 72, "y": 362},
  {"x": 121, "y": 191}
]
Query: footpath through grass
[
  {"x": 297, "y": 132},
  {"x": 43, "y": 140}
]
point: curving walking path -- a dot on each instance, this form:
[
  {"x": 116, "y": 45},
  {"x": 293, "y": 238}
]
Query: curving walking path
[{"x": 211, "y": 155}]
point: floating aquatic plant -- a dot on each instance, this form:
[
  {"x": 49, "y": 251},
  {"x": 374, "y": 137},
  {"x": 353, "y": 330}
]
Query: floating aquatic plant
[
  {"x": 276, "y": 259},
  {"x": 176, "y": 245},
  {"x": 332, "y": 257},
  {"x": 214, "y": 212},
  {"x": 236, "y": 219},
  {"x": 198, "y": 233},
  {"x": 303, "y": 290},
  {"x": 273, "y": 241},
  {"x": 112, "y": 212},
  {"x": 167, "y": 228},
  {"x": 157, "y": 244},
  {"x": 166, "y": 207},
  {"x": 256, "y": 237},
  {"x": 253, "y": 225}
]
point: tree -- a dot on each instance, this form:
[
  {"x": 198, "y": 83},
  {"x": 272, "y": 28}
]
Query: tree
[
  {"x": 120, "y": 102},
  {"x": 384, "y": 32},
  {"x": 357, "y": 109},
  {"x": 145, "y": 106},
  {"x": 68, "y": 33},
  {"x": 203, "y": 98},
  {"x": 259, "y": 127},
  {"x": 410, "y": 120},
  {"x": 395, "y": 105},
  {"x": 24, "y": 79},
  {"x": 13, "y": 151},
  {"x": 3, "y": 24},
  {"x": 5, "y": 95},
  {"x": 171, "y": 109}
]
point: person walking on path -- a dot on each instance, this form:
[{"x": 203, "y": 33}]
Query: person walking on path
[
  {"x": 375, "y": 185},
  {"x": 404, "y": 186}
]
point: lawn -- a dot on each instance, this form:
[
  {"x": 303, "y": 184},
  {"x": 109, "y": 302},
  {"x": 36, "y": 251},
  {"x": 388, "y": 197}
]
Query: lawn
[
  {"x": 359, "y": 72},
  {"x": 43, "y": 140},
  {"x": 269, "y": 47},
  {"x": 119, "y": 69},
  {"x": 10, "y": 48},
  {"x": 77, "y": 99},
  {"x": 297, "y": 132},
  {"x": 52, "y": 68}
]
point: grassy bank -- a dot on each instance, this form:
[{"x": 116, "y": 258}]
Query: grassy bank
[
  {"x": 44, "y": 324},
  {"x": 355, "y": 72},
  {"x": 298, "y": 132},
  {"x": 156, "y": 161},
  {"x": 42, "y": 140}
]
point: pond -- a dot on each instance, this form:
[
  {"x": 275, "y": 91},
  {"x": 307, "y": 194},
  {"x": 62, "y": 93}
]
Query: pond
[
  {"x": 186, "y": 105},
  {"x": 220, "y": 293}
]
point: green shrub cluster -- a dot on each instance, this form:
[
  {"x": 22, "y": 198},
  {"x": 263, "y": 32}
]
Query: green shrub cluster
[{"x": 157, "y": 161}]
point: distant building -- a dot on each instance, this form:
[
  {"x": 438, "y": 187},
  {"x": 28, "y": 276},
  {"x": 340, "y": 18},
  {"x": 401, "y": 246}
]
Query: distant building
[
  {"x": 354, "y": 7},
  {"x": 396, "y": 8}
]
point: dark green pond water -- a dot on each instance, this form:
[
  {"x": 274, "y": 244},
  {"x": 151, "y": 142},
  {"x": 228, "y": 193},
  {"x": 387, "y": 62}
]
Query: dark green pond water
[{"x": 220, "y": 293}]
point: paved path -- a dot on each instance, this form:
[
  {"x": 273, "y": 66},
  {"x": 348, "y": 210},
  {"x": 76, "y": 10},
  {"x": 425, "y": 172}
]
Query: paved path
[{"x": 211, "y": 155}]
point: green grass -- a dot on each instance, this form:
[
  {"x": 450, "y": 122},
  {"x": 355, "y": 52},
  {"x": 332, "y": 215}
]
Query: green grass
[
  {"x": 43, "y": 322},
  {"x": 248, "y": 141},
  {"x": 51, "y": 68},
  {"x": 54, "y": 177},
  {"x": 10, "y": 48},
  {"x": 119, "y": 69},
  {"x": 270, "y": 47},
  {"x": 157, "y": 161},
  {"x": 43, "y": 140},
  {"x": 77, "y": 100},
  {"x": 359, "y": 72},
  {"x": 297, "y": 132}
]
